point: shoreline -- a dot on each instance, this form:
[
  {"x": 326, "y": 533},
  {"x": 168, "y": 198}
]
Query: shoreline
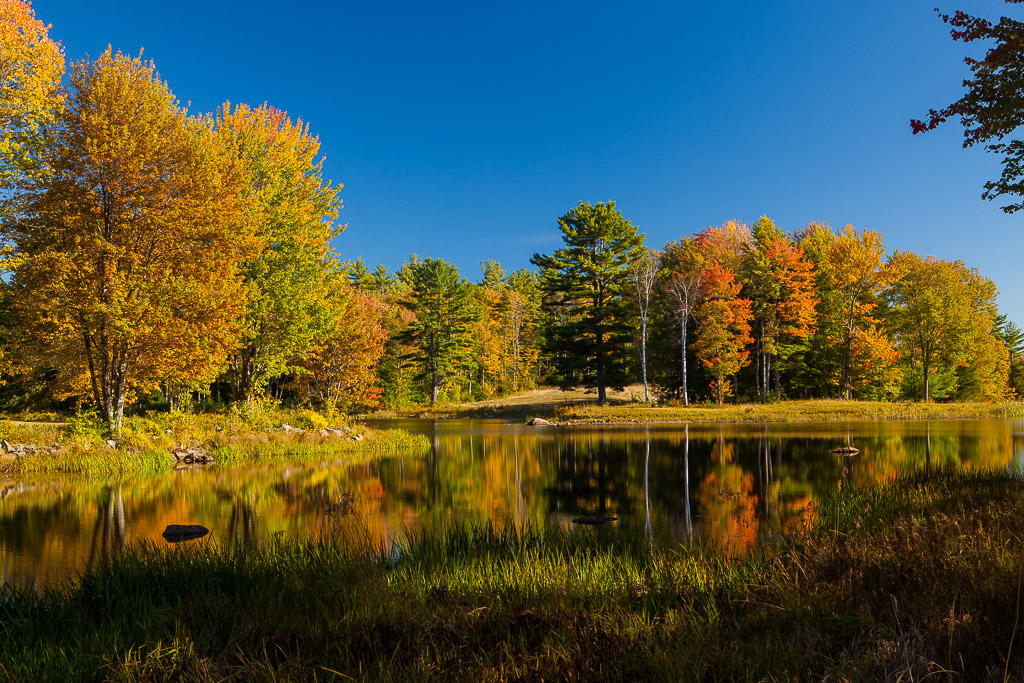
[{"x": 783, "y": 412}]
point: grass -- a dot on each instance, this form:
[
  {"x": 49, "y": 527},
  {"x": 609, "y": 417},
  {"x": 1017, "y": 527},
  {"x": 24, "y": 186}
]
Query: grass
[
  {"x": 915, "y": 578},
  {"x": 79, "y": 445},
  {"x": 579, "y": 408},
  {"x": 786, "y": 411}
]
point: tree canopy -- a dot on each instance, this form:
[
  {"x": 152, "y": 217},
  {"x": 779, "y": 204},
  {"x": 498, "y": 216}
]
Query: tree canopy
[{"x": 990, "y": 110}]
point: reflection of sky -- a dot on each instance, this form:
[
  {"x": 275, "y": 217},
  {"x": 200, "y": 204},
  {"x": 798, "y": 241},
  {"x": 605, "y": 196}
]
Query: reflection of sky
[{"x": 731, "y": 483}]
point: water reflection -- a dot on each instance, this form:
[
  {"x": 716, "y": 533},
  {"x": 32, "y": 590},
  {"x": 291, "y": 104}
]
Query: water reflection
[{"x": 729, "y": 483}]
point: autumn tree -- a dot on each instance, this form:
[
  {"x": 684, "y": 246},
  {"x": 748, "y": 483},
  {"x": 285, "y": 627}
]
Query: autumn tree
[
  {"x": 683, "y": 265},
  {"x": 292, "y": 210},
  {"x": 31, "y": 67},
  {"x": 588, "y": 280},
  {"x": 850, "y": 278},
  {"x": 339, "y": 370},
  {"x": 724, "y": 327},
  {"x": 105, "y": 274},
  {"x": 441, "y": 335},
  {"x": 990, "y": 110},
  {"x": 939, "y": 310},
  {"x": 780, "y": 284}
]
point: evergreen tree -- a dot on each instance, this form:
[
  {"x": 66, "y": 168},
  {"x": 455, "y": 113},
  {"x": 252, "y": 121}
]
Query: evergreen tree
[
  {"x": 590, "y": 278},
  {"x": 442, "y": 332}
]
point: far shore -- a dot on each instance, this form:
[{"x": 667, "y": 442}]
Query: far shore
[{"x": 579, "y": 407}]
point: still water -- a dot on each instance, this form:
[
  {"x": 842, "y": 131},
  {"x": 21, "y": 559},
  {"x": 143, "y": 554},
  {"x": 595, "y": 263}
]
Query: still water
[{"x": 732, "y": 484}]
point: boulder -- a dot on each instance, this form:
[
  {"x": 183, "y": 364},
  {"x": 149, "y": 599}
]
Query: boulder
[
  {"x": 845, "y": 450},
  {"x": 539, "y": 422},
  {"x": 191, "y": 455},
  {"x": 176, "y": 533},
  {"x": 6, "y": 447}
]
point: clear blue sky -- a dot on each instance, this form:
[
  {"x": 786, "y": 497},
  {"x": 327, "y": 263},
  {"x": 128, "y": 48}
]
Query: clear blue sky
[{"x": 463, "y": 130}]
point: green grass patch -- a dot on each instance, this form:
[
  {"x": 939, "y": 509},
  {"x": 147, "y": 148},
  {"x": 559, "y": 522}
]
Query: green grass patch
[{"x": 918, "y": 577}]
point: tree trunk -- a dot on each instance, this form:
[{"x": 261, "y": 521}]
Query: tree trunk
[
  {"x": 682, "y": 344},
  {"x": 643, "y": 355},
  {"x": 927, "y": 388}
]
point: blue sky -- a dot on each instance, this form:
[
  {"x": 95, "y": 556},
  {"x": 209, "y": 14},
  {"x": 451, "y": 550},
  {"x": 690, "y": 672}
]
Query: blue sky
[{"x": 463, "y": 130}]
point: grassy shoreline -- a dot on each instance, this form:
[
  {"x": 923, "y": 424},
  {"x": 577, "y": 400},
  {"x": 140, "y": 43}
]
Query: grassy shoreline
[
  {"x": 916, "y": 577},
  {"x": 588, "y": 413},
  {"x": 145, "y": 443}
]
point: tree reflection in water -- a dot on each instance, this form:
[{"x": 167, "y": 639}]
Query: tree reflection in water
[{"x": 727, "y": 483}]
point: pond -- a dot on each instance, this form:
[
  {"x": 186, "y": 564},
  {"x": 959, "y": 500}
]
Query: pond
[{"x": 732, "y": 484}]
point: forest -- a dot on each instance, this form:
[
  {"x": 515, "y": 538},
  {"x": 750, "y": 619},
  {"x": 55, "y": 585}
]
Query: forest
[{"x": 156, "y": 258}]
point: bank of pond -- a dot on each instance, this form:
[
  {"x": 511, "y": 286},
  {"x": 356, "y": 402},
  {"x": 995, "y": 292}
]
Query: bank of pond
[{"x": 918, "y": 575}]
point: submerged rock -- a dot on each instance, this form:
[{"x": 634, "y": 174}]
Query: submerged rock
[
  {"x": 176, "y": 533},
  {"x": 592, "y": 520}
]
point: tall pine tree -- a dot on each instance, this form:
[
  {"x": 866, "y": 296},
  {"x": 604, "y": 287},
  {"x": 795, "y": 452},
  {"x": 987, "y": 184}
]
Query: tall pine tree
[{"x": 590, "y": 278}]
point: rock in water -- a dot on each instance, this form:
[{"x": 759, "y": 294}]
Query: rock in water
[
  {"x": 191, "y": 455},
  {"x": 593, "y": 520},
  {"x": 845, "y": 450},
  {"x": 538, "y": 422},
  {"x": 176, "y": 533}
]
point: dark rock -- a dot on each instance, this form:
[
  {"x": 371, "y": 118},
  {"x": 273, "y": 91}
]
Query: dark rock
[
  {"x": 176, "y": 533},
  {"x": 592, "y": 520},
  {"x": 7, "y": 447},
  {"x": 845, "y": 450}
]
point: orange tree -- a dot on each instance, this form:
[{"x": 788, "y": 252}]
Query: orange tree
[
  {"x": 779, "y": 281},
  {"x": 724, "y": 327},
  {"x": 125, "y": 257}
]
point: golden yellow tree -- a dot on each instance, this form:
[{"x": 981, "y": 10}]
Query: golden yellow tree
[
  {"x": 31, "y": 67},
  {"x": 125, "y": 258}
]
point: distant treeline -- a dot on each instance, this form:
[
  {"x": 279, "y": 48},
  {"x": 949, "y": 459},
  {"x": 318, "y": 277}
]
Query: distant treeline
[
  {"x": 755, "y": 313},
  {"x": 157, "y": 257}
]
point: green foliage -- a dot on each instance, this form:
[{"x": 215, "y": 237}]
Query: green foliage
[
  {"x": 86, "y": 423},
  {"x": 441, "y": 334},
  {"x": 292, "y": 209}
]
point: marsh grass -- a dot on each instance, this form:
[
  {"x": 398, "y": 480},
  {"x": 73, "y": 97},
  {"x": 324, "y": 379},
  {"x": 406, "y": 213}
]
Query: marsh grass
[{"x": 920, "y": 577}]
